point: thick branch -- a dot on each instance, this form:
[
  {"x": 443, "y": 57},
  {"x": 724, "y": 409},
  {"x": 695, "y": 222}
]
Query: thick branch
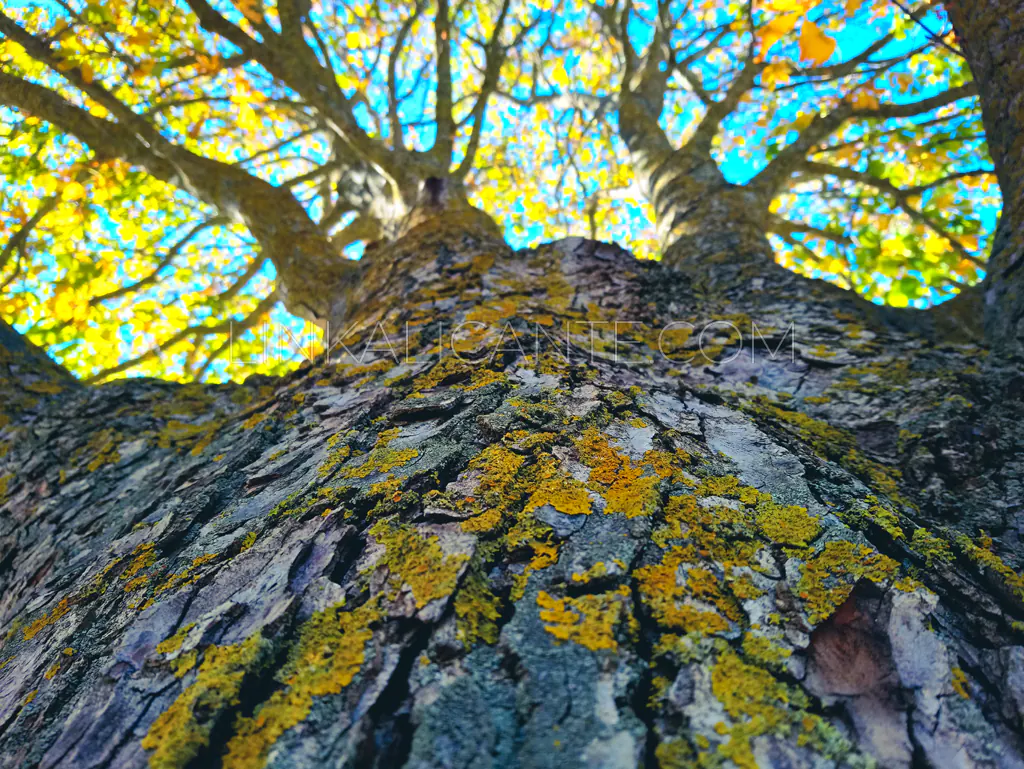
[
  {"x": 445, "y": 121},
  {"x": 303, "y": 256}
]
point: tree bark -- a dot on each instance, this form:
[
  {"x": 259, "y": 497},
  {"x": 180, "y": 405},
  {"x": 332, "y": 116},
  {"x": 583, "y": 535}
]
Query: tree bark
[
  {"x": 991, "y": 36},
  {"x": 498, "y": 550}
]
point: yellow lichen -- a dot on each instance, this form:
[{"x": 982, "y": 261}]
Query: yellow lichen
[
  {"x": 183, "y": 730},
  {"x": 983, "y": 556},
  {"x": 418, "y": 562},
  {"x": 329, "y": 653},
  {"x": 561, "y": 491},
  {"x": 589, "y": 620},
  {"x": 184, "y": 663},
  {"x": 786, "y": 524},
  {"x": 959, "y": 682},
  {"x": 172, "y": 643},
  {"x": 477, "y": 610},
  {"x": 828, "y": 577},
  {"x": 673, "y": 602},
  {"x": 143, "y": 556},
  {"x": 382, "y": 458},
  {"x": 33, "y": 629},
  {"x": 930, "y": 547},
  {"x": 755, "y": 701},
  {"x": 186, "y": 577},
  {"x": 254, "y": 420}
]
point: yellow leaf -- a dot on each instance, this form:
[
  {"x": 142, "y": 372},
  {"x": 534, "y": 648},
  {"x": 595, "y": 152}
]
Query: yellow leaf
[
  {"x": 815, "y": 45},
  {"x": 560, "y": 76},
  {"x": 787, "y": 6},
  {"x": 143, "y": 69},
  {"x": 353, "y": 38},
  {"x": 864, "y": 100},
  {"x": 775, "y": 73},
  {"x": 141, "y": 39},
  {"x": 73, "y": 191},
  {"x": 852, "y": 6},
  {"x": 251, "y": 9},
  {"x": 87, "y": 73},
  {"x": 248, "y": 120},
  {"x": 776, "y": 29}
]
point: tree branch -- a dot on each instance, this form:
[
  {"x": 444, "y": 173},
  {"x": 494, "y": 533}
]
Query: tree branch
[
  {"x": 397, "y": 137},
  {"x": 197, "y": 332},
  {"x": 303, "y": 256},
  {"x": 901, "y": 198},
  {"x": 445, "y": 121},
  {"x": 168, "y": 258},
  {"x": 782, "y": 226},
  {"x": 495, "y": 57}
]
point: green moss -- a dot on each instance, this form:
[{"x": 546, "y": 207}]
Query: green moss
[{"x": 179, "y": 733}]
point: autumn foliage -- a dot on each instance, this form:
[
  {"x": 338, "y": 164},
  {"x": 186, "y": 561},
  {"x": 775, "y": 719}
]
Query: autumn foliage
[{"x": 855, "y": 122}]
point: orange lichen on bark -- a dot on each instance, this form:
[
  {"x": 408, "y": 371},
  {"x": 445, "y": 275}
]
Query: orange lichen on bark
[{"x": 589, "y": 620}]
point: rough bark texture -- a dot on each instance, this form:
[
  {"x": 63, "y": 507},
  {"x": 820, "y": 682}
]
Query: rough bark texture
[
  {"x": 991, "y": 36},
  {"x": 619, "y": 559}
]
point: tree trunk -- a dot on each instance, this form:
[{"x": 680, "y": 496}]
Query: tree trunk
[
  {"x": 991, "y": 36},
  {"x": 701, "y": 218},
  {"x": 480, "y": 546}
]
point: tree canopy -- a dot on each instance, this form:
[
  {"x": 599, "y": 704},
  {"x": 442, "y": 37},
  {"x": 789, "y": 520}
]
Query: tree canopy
[{"x": 175, "y": 172}]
